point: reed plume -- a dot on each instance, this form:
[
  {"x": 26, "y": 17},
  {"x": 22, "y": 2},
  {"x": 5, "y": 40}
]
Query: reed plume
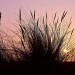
[{"x": 46, "y": 40}]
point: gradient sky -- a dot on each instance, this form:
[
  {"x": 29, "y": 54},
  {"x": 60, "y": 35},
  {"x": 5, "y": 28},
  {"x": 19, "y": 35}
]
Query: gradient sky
[{"x": 9, "y": 8}]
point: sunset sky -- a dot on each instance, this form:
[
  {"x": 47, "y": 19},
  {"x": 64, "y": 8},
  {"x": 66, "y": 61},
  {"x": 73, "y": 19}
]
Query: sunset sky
[
  {"x": 9, "y": 8},
  {"x": 10, "y": 14}
]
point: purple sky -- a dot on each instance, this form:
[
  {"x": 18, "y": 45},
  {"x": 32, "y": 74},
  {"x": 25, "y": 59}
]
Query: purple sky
[{"x": 9, "y": 8}]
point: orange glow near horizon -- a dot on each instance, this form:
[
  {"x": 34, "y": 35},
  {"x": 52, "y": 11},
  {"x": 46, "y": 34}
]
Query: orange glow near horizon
[{"x": 65, "y": 51}]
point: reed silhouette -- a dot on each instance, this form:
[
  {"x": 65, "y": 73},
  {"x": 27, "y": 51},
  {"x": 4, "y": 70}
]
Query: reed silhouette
[
  {"x": 42, "y": 44},
  {"x": 45, "y": 40}
]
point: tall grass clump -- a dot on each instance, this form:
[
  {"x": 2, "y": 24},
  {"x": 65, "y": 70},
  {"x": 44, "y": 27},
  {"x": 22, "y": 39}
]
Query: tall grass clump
[
  {"x": 2, "y": 45},
  {"x": 40, "y": 40},
  {"x": 46, "y": 40},
  {"x": 10, "y": 50}
]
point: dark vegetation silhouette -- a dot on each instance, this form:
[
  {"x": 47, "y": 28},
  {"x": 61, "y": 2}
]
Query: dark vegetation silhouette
[
  {"x": 45, "y": 40},
  {"x": 42, "y": 44}
]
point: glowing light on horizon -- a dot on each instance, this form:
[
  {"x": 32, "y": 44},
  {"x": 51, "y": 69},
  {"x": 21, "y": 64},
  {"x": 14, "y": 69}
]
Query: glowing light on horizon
[{"x": 65, "y": 51}]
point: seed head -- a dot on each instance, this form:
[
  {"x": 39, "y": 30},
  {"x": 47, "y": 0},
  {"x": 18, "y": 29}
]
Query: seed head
[{"x": 0, "y": 16}]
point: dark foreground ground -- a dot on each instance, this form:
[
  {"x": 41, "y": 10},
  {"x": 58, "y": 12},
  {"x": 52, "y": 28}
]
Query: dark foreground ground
[{"x": 67, "y": 68}]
